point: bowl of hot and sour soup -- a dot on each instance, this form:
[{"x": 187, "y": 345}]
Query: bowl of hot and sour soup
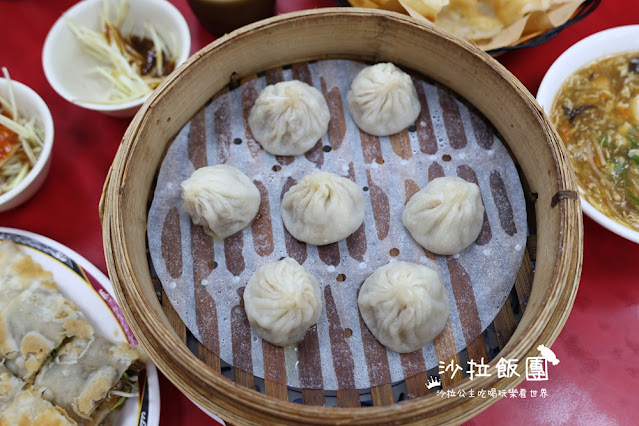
[{"x": 591, "y": 95}]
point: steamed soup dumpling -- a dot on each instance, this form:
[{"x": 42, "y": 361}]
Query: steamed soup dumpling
[
  {"x": 445, "y": 216},
  {"x": 288, "y": 118},
  {"x": 404, "y": 305},
  {"x": 220, "y": 198},
  {"x": 323, "y": 208},
  {"x": 282, "y": 301},
  {"x": 383, "y": 100}
]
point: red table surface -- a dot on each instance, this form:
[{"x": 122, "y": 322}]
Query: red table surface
[{"x": 596, "y": 380}]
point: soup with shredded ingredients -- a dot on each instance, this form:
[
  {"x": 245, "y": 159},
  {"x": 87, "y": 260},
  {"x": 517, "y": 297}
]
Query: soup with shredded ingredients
[{"x": 597, "y": 115}]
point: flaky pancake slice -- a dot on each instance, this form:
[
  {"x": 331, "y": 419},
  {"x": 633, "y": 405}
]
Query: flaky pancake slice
[
  {"x": 90, "y": 377},
  {"x": 34, "y": 324}
]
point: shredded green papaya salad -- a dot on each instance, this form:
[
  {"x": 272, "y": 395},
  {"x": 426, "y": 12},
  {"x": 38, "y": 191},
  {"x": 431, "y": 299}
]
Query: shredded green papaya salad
[{"x": 20, "y": 141}]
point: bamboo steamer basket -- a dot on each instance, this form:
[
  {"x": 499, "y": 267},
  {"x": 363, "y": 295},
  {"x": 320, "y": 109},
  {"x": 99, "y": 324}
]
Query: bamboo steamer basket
[{"x": 370, "y": 35}]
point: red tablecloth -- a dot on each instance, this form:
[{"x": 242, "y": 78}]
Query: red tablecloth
[{"x": 596, "y": 381}]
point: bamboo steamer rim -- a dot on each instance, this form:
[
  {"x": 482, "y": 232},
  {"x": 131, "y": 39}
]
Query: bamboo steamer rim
[{"x": 236, "y": 403}]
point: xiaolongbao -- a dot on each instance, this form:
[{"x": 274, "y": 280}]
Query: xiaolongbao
[
  {"x": 220, "y": 198},
  {"x": 282, "y": 300},
  {"x": 323, "y": 208},
  {"x": 288, "y": 118},
  {"x": 445, "y": 216},
  {"x": 404, "y": 305},
  {"x": 383, "y": 100}
]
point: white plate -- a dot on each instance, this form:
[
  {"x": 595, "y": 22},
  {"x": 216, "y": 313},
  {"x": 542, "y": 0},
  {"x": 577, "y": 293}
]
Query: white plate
[
  {"x": 92, "y": 292},
  {"x": 597, "y": 46}
]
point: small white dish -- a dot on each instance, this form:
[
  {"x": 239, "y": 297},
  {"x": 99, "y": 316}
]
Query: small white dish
[
  {"x": 29, "y": 104},
  {"x": 91, "y": 291},
  {"x": 67, "y": 67},
  {"x": 597, "y": 46}
]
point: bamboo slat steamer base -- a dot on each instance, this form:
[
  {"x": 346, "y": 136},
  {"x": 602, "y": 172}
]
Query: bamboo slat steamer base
[
  {"x": 372, "y": 36},
  {"x": 204, "y": 279}
]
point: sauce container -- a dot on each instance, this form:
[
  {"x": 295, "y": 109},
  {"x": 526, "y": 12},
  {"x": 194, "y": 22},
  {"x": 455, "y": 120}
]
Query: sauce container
[{"x": 223, "y": 16}]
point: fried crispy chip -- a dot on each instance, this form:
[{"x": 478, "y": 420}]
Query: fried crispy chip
[
  {"x": 470, "y": 19},
  {"x": 508, "y": 11},
  {"x": 490, "y": 24},
  {"x": 428, "y": 8},
  {"x": 379, "y": 4}
]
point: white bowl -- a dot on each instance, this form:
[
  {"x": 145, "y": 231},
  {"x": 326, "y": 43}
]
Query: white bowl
[
  {"x": 29, "y": 105},
  {"x": 67, "y": 66},
  {"x": 599, "y": 45}
]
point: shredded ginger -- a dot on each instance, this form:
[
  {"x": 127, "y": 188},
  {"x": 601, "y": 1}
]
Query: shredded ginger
[{"x": 125, "y": 67}]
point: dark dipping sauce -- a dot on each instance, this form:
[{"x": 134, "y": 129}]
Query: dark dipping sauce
[
  {"x": 149, "y": 56},
  {"x": 141, "y": 53}
]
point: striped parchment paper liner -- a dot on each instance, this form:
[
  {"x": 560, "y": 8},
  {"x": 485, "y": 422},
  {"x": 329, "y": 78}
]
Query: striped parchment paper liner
[{"x": 205, "y": 279}]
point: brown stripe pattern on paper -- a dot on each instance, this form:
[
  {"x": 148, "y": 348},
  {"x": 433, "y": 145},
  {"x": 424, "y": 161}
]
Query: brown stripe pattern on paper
[
  {"x": 375, "y": 354},
  {"x": 410, "y": 188},
  {"x": 342, "y": 356},
  {"x": 356, "y": 243},
  {"x": 197, "y": 140},
  {"x": 274, "y": 363},
  {"x": 284, "y": 159},
  {"x": 316, "y": 154},
  {"x": 222, "y": 126},
  {"x": 302, "y": 72},
  {"x": 261, "y": 227},
  {"x": 452, "y": 120},
  {"x": 337, "y": 125},
  {"x": 249, "y": 95},
  {"x": 465, "y": 298},
  {"x": 310, "y": 364},
  {"x": 435, "y": 171},
  {"x": 483, "y": 132},
  {"x": 468, "y": 174},
  {"x": 506, "y": 216},
  {"x": 329, "y": 254},
  {"x": 371, "y": 148},
  {"x": 351, "y": 172},
  {"x": 274, "y": 76},
  {"x": 294, "y": 248},
  {"x": 172, "y": 243},
  {"x": 401, "y": 144},
  {"x": 205, "y": 308},
  {"x": 423, "y": 124},
  {"x": 310, "y": 368},
  {"x": 241, "y": 341},
  {"x": 233, "y": 246},
  {"x": 381, "y": 207}
]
